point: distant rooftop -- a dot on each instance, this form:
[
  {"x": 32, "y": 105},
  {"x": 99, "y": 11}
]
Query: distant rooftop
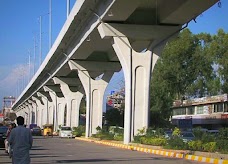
[{"x": 202, "y": 100}]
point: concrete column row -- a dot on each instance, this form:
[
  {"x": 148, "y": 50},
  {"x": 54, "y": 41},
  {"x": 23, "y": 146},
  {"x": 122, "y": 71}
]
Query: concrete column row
[{"x": 137, "y": 64}]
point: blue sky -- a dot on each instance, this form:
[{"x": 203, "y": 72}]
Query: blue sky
[{"x": 19, "y": 26}]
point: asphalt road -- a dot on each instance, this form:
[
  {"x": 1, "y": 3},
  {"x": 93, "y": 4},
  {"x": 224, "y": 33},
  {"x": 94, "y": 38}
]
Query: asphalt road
[{"x": 56, "y": 150}]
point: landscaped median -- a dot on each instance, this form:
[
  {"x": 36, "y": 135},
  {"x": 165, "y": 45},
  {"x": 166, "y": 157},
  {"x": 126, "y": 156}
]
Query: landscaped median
[{"x": 168, "y": 153}]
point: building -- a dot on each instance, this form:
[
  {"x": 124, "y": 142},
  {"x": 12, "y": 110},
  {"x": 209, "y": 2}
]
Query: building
[
  {"x": 115, "y": 100},
  {"x": 206, "y": 112},
  {"x": 1, "y": 118},
  {"x": 8, "y": 113}
]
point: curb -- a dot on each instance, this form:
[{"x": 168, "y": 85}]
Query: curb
[{"x": 159, "y": 152}]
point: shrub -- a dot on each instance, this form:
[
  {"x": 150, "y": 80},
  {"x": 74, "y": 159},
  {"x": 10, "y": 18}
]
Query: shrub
[
  {"x": 198, "y": 132},
  {"x": 118, "y": 137},
  {"x": 209, "y": 147},
  {"x": 223, "y": 133},
  {"x": 78, "y": 131},
  {"x": 137, "y": 139},
  {"x": 206, "y": 137},
  {"x": 176, "y": 132},
  {"x": 154, "y": 141},
  {"x": 176, "y": 143},
  {"x": 195, "y": 145},
  {"x": 222, "y": 145}
]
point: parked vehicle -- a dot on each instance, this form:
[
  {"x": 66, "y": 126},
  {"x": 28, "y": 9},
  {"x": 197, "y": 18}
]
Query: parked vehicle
[
  {"x": 36, "y": 131},
  {"x": 65, "y": 131},
  {"x": 213, "y": 132},
  {"x": 168, "y": 134},
  {"x": 187, "y": 136},
  {"x": 31, "y": 126},
  {"x": 3, "y": 130},
  {"x": 48, "y": 130}
]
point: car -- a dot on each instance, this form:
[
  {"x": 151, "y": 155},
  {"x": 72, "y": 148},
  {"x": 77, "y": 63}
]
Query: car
[
  {"x": 187, "y": 136},
  {"x": 3, "y": 131},
  {"x": 65, "y": 131},
  {"x": 36, "y": 131},
  {"x": 213, "y": 132},
  {"x": 168, "y": 134}
]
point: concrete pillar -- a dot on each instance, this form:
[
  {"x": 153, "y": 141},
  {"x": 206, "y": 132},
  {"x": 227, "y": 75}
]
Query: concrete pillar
[
  {"x": 34, "y": 112},
  {"x": 25, "y": 113},
  {"x": 54, "y": 92},
  {"x": 137, "y": 67},
  {"x": 48, "y": 110},
  {"x": 40, "y": 108},
  {"x": 73, "y": 99},
  {"x": 94, "y": 89},
  {"x": 60, "y": 112},
  {"x": 29, "y": 113}
]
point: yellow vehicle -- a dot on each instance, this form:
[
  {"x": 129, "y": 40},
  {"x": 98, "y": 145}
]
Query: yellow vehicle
[{"x": 48, "y": 130}]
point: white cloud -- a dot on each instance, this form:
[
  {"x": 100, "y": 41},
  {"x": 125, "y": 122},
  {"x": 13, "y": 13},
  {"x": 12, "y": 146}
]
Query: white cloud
[{"x": 13, "y": 80}]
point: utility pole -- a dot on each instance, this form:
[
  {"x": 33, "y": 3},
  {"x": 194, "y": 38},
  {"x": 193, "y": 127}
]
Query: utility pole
[
  {"x": 34, "y": 48},
  {"x": 68, "y": 8},
  {"x": 50, "y": 25},
  {"x": 40, "y": 40},
  {"x": 29, "y": 65}
]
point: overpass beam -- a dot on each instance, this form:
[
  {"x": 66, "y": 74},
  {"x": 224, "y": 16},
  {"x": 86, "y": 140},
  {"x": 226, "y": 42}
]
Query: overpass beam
[
  {"x": 137, "y": 68},
  {"x": 94, "y": 90}
]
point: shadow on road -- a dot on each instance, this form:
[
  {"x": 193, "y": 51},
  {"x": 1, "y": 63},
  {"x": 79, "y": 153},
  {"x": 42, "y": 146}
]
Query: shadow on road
[{"x": 114, "y": 160}]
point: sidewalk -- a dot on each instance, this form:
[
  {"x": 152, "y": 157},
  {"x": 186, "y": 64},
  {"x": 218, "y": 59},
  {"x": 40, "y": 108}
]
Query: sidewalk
[{"x": 214, "y": 158}]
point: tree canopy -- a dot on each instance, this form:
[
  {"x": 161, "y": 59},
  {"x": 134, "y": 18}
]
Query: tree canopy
[{"x": 192, "y": 65}]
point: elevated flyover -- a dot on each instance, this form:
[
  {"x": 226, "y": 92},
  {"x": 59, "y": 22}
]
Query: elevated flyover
[{"x": 99, "y": 38}]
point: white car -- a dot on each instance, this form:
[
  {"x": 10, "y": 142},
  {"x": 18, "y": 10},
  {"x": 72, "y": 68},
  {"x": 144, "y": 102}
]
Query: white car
[{"x": 65, "y": 131}]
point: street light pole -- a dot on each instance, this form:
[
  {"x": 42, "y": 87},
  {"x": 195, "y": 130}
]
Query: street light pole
[
  {"x": 50, "y": 25},
  {"x": 68, "y": 8},
  {"x": 40, "y": 39}
]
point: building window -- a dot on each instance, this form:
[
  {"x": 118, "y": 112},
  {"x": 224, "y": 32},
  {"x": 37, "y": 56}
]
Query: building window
[
  {"x": 225, "y": 107},
  {"x": 218, "y": 108},
  {"x": 179, "y": 111},
  {"x": 190, "y": 110},
  {"x": 199, "y": 110}
]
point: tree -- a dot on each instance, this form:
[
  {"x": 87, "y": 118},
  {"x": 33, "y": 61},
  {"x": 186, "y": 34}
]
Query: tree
[
  {"x": 185, "y": 70},
  {"x": 219, "y": 49},
  {"x": 82, "y": 106},
  {"x": 114, "y": 117}
]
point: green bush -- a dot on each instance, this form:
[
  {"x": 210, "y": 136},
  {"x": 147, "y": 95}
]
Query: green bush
[
  {"x": 223, "y": 134},
  {"x": 137, "y": 139},
  {"x": 154, "y": 141},
  {"x": 209, "y": 147},
  {"x": 198, "y": 132},
  {"x": 206, "y": 137},
  {"x": 222, "y": 145},
  {"x": 195, "y": 145},
  {"x": 118, "y": 137},
  {"x": 106, "y": 136},
  {"x": 78, "y": 131},
  {"x": 176, "y": 143}
]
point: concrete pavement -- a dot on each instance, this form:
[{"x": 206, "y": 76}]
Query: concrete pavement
[
  {"x": 56, "y": 150},
  {"x": 168, "y": 153}
]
